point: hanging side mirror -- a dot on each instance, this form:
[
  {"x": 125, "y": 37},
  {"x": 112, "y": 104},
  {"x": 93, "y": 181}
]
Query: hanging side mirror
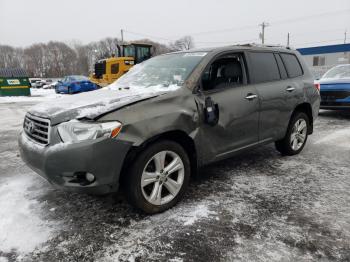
[{"x": 211, "y": 112}]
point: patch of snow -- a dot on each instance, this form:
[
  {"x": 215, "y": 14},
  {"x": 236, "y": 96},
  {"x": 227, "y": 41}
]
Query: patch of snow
[
  {"x": 129, "y": 240},
  {"x": 199, "y": 212},
  {"x": 21, "y": 227},
  {"x": 37, "y": 95},
  {"x": 176, "y": 259},
  {"x": 339, "y": 137}
]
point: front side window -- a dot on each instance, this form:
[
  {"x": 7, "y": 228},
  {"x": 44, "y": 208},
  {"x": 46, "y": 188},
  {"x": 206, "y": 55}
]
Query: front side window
[
  {"x": 160, "y": 72},
  {"x": 129, "y": 51},
  {"x": 143, "y": 53},
  {"x": 263, "y": 67},
  {"x": 226, "y": 71},
  {"x": 292, "y": 65}
]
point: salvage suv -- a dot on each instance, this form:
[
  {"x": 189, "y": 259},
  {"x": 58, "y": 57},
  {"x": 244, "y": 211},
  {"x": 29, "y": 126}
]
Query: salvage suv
[{"x": 154, "y": 127}]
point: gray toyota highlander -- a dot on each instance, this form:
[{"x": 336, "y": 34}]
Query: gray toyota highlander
[{"x": 154, "y": 127}]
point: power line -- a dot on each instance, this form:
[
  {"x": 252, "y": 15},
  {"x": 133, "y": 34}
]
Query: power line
[{"x": 276, "y": 22}]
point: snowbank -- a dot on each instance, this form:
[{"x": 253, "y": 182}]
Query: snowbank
[{"x": 37, "y": 95}]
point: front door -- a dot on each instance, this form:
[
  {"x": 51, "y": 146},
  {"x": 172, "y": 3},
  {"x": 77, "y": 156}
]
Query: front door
[{"x": 225, "y": 83}]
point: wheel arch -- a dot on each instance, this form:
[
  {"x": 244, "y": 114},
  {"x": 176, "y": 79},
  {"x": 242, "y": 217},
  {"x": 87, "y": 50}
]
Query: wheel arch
[
  {"x": 177, "y": 136},
  {"x": 307, "y": 109}
]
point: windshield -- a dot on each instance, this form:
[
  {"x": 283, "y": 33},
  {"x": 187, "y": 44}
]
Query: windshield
[
  {"x": 161, "y": 72},
  {"x": 338, "y": 72},
  {"x": 78, "y": 78}
]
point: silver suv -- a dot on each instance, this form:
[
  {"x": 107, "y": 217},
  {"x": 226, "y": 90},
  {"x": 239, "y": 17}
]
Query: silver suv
[{"x": 151, "y": 130}]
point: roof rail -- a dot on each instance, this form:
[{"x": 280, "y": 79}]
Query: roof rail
[{"x": 261, "y": 45}]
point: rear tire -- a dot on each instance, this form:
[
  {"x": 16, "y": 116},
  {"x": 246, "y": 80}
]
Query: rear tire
[
  {"x": 158, "y": 177},
  {"x": 296, "y": 136}
]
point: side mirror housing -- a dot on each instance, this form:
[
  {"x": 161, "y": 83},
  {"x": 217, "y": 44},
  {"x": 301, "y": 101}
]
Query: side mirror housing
[{"x": 211, "y": 112}]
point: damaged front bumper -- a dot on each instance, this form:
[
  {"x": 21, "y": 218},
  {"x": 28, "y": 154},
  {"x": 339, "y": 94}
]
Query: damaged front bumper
[{"x": 91, "y": 166}]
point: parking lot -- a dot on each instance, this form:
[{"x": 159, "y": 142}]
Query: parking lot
[{"x": 258, "y": 206}]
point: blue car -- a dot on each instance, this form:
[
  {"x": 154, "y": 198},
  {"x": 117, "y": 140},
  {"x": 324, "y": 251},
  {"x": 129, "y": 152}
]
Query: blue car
[
  {"x": 335, "y": 88},
  {"x": 75, "y": 84}
]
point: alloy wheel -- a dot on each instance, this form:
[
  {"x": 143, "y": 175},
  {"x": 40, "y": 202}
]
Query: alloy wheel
[
  {"x": 298, "y": 135},
  {"x": 162, "y": 177}
]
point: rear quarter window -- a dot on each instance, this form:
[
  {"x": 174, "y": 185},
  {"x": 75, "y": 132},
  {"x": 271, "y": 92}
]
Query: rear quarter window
[
  {"x": 292, "y": 64},
  {"x": 263, "y": 67}
]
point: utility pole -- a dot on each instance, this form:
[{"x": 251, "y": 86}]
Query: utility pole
[
  {"x": 288, "y": 37},
  {"x": 122, "y": 35},
  {"x": 262, "y": 34},
  {"x": 345, "y": 36}
]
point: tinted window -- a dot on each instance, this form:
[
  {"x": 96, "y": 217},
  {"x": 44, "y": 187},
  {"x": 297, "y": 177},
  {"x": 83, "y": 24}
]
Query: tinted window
[
  {"x": 292, "y": 65},
  {"x": 225, "y": 71},
  {"x": 114, "y": 69},
  {"x": 281, "y": 67},
  {"x": 264, "y": 67}
]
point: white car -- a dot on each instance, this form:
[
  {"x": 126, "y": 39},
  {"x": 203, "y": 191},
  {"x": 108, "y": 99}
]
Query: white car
[{"x": 50, "y": 85}]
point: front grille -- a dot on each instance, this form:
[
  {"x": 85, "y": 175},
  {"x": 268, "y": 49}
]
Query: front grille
[
  {"x": 37, "y": 128},
  {"x": 332, "y": 95}
]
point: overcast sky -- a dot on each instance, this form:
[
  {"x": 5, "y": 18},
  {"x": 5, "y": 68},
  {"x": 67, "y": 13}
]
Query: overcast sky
[{"x": 210, "y": 22}]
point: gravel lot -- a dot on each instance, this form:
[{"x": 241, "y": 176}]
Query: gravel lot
[{"x": 258, "y": 206}]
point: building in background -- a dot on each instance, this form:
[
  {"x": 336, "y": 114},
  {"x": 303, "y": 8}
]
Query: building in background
[{"x": 322, "y": 58}]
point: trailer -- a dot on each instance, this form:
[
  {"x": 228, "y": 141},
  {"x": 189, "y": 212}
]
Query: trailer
[{"x": 14, "y": 82}]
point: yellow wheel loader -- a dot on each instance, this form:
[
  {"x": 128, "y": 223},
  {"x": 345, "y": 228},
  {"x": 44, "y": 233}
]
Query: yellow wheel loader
[{"x": 110, "y": 69}]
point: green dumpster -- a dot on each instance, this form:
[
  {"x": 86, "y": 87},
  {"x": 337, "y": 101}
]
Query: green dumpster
[{"x": 14, "y": 82}]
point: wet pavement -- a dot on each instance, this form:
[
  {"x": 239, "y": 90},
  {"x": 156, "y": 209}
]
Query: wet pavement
[{"x": 258, "y": 206}]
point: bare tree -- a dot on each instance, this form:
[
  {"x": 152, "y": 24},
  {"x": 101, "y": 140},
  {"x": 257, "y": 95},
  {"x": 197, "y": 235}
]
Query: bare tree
[
  {"x": 10, "y": 57},
  {"x": 184, "y": 43},
  {"x": 56, "y": 59}
]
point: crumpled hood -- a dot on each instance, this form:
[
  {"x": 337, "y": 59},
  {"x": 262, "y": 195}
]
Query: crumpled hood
[{"x": 89, "y": 105}]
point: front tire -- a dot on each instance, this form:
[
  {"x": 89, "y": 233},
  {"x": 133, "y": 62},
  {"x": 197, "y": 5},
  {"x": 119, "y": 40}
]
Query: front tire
[
  {"x": 158, "y": 177},
  {"x": 296, "y": 137}
]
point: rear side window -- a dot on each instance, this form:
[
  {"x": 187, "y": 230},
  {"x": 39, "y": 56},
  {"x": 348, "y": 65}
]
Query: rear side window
[
  {"x": 263, "y": 67},
  {"x": 283, "y": 71},
  {"x": 292, "y": 65}
]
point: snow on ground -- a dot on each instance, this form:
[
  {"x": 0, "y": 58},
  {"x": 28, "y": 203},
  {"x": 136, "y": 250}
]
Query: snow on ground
[
  {"x": 337, "y": 137},
  {"x": 21, "y": 227},
  {"x": 37, "y": 95}
]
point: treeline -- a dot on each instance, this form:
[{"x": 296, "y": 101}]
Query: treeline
[{"x": 57, "y": 59}]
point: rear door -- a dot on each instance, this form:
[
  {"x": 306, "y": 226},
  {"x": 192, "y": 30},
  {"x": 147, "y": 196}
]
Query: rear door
[{"x": 267, "y": 78}]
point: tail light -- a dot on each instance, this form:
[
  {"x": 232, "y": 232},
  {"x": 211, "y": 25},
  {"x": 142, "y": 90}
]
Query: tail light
[{"x": 317, "y": 86}]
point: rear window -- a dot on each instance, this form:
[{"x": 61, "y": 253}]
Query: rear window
[
  {"x": 292, "y": 65},
  {"x": 263, "y": 67}
]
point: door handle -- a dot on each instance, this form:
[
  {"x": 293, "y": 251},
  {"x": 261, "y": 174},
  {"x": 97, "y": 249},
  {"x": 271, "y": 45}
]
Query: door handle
[
  {"x": 251, "y": 96},
  {"x": 290, "y": 89}
]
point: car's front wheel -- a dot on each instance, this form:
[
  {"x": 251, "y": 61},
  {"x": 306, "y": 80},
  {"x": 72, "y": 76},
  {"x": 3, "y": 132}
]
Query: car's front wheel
[
  {"x": 158, "y": 177},
  {"x": 296, "y": 136}
]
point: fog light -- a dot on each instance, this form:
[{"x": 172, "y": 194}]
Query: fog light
[{"x": 90, "y": 177}]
